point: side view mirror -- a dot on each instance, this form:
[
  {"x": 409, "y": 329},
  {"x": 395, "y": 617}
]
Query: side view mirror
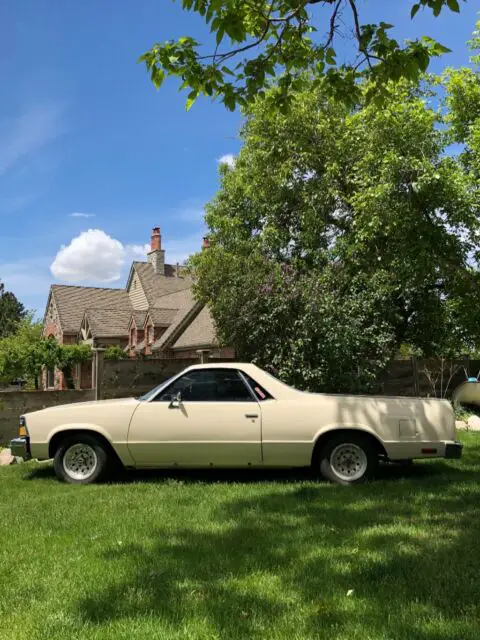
[{"x": 175, "y": 401}]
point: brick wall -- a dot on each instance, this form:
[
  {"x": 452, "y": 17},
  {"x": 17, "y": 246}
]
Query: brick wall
[
  {"x": 133, "y": 377},
  {"x": 14, "y": 404}
]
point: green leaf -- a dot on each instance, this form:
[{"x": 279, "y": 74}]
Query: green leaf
[
  {"x": 192, "y": 96},
  {"x": 158, "y": 76},
  {"x": 440, "y": 49},
  {"x": 229, "y": 102},
  {"x": 330, "y": 55},
  {"x": 453, "y": 5}
]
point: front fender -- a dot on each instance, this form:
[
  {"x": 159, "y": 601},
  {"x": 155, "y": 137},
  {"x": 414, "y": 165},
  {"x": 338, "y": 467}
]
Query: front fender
[
  {"x": 79, "y": 426},
  {"x": 42, "y": 450}
]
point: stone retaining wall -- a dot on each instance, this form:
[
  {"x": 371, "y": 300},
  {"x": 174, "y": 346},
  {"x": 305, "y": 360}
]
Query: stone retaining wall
[{"x": 15, "y": 403}]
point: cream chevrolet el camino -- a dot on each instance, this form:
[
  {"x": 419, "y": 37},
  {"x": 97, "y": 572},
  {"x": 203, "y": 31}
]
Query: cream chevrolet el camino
[{"x": 236, "y": 415}]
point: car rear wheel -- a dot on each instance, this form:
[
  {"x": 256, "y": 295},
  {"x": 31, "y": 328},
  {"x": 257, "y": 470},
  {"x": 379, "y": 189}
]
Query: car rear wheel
[
  {"x": 81, "y": 459},
  {"x": 348, "y": 459}
]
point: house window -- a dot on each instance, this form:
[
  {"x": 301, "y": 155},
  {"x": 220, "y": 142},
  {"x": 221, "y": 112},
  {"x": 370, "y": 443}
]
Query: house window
[
  {"x": 150, "y": 335},
  {"x": 133, "y": 336},
  {"x": 50, "y": 378}
]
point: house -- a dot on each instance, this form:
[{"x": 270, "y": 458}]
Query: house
[{"x": 155, "y": 315}]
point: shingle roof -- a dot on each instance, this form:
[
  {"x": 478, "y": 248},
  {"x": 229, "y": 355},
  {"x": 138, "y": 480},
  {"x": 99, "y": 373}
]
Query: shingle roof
[
  {"x": 162, "y": 317},
  {"x": 199, "y": 333},
  {"x": 175, "y": 300},
  {"x": 139, "y": 318},
  {"x": 156, "y": 285},
  {"x": 187, "y": 308},
  {"x": 108, "y": 323},
  {"x": 72, "y": 301}
]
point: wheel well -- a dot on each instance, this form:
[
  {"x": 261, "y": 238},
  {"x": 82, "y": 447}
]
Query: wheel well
[
  {"x": 59, "y": 437},
  {"x": 322, "y": 441}
]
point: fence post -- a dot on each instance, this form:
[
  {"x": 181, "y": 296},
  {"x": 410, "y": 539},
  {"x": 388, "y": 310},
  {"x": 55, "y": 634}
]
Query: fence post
[
  {"x": 98, "y": 360},
  {"x": 416, "y": 382},
  {"x": 203, "y": 354}
]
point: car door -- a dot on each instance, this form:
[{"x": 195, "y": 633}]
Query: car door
[{"x": 216, "y": 422}]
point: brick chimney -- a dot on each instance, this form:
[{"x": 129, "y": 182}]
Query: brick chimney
[
  {"x": 206, "y": 243},
  {"x": 156, "y": 255}
]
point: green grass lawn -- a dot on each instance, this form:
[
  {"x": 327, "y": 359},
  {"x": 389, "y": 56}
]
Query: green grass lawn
[{"x": 238, "y": 555}]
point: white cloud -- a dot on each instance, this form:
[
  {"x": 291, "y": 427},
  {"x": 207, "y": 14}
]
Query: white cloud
[
  {"x": 79, "y": 214},
  {"x": 93, "y": 256},
  {"x": 228, "y": 158},
  {"x": 28, "y": 132},
  {"x": 136, "y": 251}
]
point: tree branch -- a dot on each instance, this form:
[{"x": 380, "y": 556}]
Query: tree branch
[{"x": 358, "y": 32}]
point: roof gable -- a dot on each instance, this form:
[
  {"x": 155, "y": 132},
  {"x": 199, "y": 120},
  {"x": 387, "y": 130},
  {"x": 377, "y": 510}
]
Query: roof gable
[
  {"x": 155, "y": 285},
  {"x": 108, "y": 323},
  {"x": 160, "y": 317},
  {"x": 72, "y": 301},
  {"x": 137, "y": 319}
]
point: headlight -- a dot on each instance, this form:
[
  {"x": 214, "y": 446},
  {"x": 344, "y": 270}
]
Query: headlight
[{"x": 22, "y": 427}]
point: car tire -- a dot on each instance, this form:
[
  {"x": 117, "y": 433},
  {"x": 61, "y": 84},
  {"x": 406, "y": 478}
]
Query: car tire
[
  {"x": 81, "y": 459},
  {"x": 348, "y": 459}
]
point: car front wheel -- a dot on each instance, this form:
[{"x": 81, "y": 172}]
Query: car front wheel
[
  {"x": 348, "y": 459},
  {"x": 80, "y": 459}
]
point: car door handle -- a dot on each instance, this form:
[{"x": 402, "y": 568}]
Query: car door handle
[{"x": 251, "y": 415}]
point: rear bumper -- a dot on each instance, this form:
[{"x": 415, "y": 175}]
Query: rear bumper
[
  {"x": 20, "y": 448},
  {"x": 453, "y": 450}
]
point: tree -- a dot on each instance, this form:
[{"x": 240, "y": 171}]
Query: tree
[
  {"x": 26, "y": 353},
  {"x": 11, "y": 312},
  {"x": 114, "y": 352},
  {"x": 71, "y": 355},
  {"x": 372, "y": 222},
  {"x": 281, "y": 40}
]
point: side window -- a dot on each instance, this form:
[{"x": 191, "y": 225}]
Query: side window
[
  {"x": 258, "y": 390},
  {"x": 208, "y": 385}
]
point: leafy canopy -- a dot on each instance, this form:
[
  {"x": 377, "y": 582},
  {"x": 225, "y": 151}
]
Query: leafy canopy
[
  {"x": 11, "y": 312},
  {"x": 341, "y": 234},
  {"x": 255, "y": 41},
  {"x": 25, "y": 353}
]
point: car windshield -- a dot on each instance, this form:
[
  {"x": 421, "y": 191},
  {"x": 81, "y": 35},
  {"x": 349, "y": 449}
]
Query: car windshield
[{"x": 155, "y": 390}]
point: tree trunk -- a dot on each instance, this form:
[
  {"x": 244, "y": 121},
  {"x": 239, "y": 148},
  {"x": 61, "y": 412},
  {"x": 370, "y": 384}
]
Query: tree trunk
[{"x": 68, "y": 376}]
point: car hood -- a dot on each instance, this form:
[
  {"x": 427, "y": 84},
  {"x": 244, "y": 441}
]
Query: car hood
[{"x": 127, "y": 402}]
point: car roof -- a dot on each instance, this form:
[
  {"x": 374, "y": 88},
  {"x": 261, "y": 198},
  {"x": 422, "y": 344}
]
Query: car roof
[{"x": 221, "y": 365}]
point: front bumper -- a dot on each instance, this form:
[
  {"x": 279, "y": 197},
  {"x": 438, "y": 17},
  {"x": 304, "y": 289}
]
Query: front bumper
[
  {"x": 453, "y": 450},
  {"x": 20, "y": 448}
]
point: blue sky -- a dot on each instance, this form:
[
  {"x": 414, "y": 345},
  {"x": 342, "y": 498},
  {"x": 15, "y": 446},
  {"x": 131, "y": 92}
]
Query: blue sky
[{"x": 83, "y": 131}]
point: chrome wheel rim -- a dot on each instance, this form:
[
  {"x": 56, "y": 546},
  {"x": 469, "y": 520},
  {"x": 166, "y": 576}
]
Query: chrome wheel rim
[
  {"x": 348, "y": 461},
  {"x": 80, "y": 461}
]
